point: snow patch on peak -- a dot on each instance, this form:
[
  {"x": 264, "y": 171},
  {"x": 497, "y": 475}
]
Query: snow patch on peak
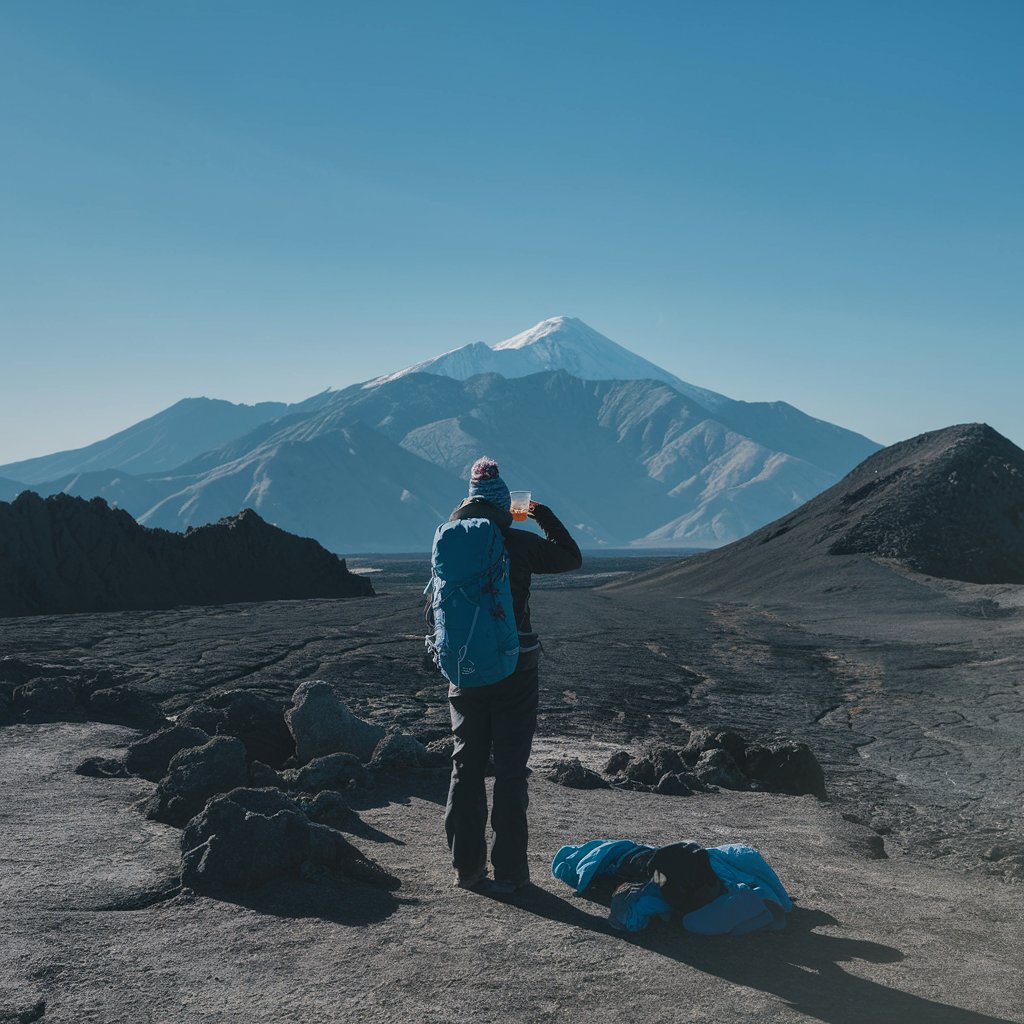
[
  {"x": 558, "y": 343},
  {"x": 564, "y": 325}
]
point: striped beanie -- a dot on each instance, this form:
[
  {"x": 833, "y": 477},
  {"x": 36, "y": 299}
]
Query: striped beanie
[{"x": 485, "y": 482}]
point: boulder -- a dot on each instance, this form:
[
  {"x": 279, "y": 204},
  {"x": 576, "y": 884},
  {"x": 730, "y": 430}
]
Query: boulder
[
  {"x": 126, "y": 705},
  {"x": 322, "y": 724},
  {"x": 640, "y": 772},
  {"x": 618, "y": 762},
  {"x": 399, "y": 754},
  {"x": 150, "y": 756},
  {"x": 677, "y": 784},
  {"x": 102, "y": 768},
  {"x": 717, "y": 767},
  {"x": 248, "y": 837},
  {"x": 48, "y": 698},
  {"x": 262, "y": 776},
  {"x": 336, "y": 771},
  {"x": 440, "y": 751},
  {"x": 259, "y": 722},
  {"x": 666, "y": 761},
  {"x": 194, "y": 775},
  {"x": 330, "y": 808},
  {"x": 213, "y": 721},
  {"x": 702, "y": 740},
  {"x": 571, "y": 772},
  {"x": 786, "y": 768}
]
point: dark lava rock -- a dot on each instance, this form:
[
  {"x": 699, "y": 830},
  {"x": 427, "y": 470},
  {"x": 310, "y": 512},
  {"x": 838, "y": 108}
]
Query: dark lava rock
[
  {"x": 440, "y": 752},
  {"x": 666, "y": 760},
  {"x": 48, "y": 699},
  {"x": 322, "y": 724},
  {"x": 65, "y": 554},
  {"x": 702, "y": 740},
  {"x": 641, "y": 772},
  {"x": 196, "y": 774},
  {"x": 18, "y": 671},
  {"x": 329, "y": 808},
  {"x": 248, "y": 837},
  {"x": 259, "y": 723},
  {"x": 399, "y": 754},
  {"x": 262, "y": 776},
  {"x": 201, "y": 715},
  {"x": 336, "y": 771},
  {"x": 151, "y": 756},
  {"x": 678, "y": 784},
  {"x": 718, "y": 768},
  {"x": 786, "y": 768},
  {"x": 257, "y": 720},
  {"x": 617, "y": 762},
  {"x": 126, "y": 705},
  {"x": 570, "y": 772},
  {"x": 26, "y": 1015},
  {"x": 102, "y": 768}
]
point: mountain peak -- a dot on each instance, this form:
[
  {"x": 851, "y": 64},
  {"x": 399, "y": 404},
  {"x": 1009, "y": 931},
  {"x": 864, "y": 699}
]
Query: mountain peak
[
  {"x": 567, "y": 327},
  {"x": 558, "y": 343}
]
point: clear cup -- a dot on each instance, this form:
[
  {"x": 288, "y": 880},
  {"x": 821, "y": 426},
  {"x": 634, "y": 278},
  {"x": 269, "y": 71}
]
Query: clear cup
[{"x": 520, "y": 507}]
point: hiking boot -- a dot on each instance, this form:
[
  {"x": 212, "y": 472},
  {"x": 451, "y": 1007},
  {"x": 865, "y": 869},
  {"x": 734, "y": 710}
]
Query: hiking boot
[
  {"x": 475, "y": 881},
  {"x": 505, "y": 887}
]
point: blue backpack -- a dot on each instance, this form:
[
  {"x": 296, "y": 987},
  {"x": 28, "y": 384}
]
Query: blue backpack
[{"x": 475, "y": 641}]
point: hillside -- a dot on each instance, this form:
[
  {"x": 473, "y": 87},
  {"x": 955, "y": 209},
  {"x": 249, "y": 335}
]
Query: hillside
[
  {"x": 158, "y": 443},
  {"x": 65, "y": 554},
  {"x": 949, "y": 503}
]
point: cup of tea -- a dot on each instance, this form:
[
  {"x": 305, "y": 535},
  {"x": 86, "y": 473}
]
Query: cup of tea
[{"x": 520, "y": 507}]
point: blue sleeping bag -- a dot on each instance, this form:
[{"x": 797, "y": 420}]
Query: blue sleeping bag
[{"x": 754, "y": 898}]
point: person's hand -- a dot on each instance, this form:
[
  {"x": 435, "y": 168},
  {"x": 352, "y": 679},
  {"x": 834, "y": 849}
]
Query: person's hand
[{"x": 534, "y": 505}]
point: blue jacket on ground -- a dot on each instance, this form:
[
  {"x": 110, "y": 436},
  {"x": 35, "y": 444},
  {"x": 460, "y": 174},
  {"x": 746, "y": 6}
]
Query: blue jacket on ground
[{"x": 752, "y": 888}]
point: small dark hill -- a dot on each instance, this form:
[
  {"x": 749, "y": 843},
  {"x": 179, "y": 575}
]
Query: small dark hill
[
  {"x": 949, "y": 503},
  {"x": 65, "y": 554}
]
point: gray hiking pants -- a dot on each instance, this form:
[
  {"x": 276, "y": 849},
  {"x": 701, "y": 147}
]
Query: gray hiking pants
[{"x": 501, "y": 717}]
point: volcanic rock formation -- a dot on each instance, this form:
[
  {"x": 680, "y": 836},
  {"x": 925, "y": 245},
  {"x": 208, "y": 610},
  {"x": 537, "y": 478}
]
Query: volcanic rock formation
[
  {"x": 64, "y": 554},
  {"x": 949, "y": 503}
]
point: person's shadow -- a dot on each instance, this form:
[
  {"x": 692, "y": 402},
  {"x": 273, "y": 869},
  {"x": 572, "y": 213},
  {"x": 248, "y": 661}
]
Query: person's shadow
[{"x": 799, "y": 965}]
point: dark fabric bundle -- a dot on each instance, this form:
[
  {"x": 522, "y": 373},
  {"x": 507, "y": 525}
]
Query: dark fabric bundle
[{"x": 690, "y": 881}]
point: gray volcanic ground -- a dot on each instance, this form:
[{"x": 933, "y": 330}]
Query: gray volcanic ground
[{"x": 906, "y": 688}]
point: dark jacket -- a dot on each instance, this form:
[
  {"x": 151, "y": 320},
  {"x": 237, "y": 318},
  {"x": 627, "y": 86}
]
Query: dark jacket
[{"x": 527, "y": 553}]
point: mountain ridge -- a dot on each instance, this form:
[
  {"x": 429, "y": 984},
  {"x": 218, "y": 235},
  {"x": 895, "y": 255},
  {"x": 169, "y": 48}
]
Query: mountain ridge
[
  {"x": 159, "y": 442},
  {"x": 948, "y": 503},
  {"x": 674, "y": 470}
]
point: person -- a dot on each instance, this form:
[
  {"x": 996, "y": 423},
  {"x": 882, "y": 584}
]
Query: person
[{"x": 502, "y": 717}]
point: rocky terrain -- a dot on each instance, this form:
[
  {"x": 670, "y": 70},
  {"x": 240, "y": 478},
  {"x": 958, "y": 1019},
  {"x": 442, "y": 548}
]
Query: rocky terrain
[
  {"x": 904, "y": 877},
  {"x": 63, "y": 554},
  {"x": 255, "y": 791}
]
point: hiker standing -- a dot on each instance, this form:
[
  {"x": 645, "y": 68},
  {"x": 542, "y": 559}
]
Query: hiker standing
[{"x": 501, "y": 715}]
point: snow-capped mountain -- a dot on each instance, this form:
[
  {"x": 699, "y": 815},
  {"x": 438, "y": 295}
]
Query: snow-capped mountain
[
  {"x": 623, "y": 450},
  {"x": 559, "y": 343}
]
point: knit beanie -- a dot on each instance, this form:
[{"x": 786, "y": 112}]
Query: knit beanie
[{"x": 485, "y": 482}]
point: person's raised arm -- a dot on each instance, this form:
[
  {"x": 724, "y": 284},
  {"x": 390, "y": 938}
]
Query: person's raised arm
[{"x": 559, "y": 552}]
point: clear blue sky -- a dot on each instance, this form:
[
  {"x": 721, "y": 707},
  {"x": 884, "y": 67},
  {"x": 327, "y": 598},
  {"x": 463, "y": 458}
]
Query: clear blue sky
[{"x": 812, "y": 201}]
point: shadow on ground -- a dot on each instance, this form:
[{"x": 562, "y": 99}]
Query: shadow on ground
[
  {"x": 799, "y": 965},
  {"x": 348, "y": 903}
]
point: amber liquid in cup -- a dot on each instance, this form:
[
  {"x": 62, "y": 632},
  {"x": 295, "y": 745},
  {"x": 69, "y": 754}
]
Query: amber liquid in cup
[{"x": 520, "y": 507}]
